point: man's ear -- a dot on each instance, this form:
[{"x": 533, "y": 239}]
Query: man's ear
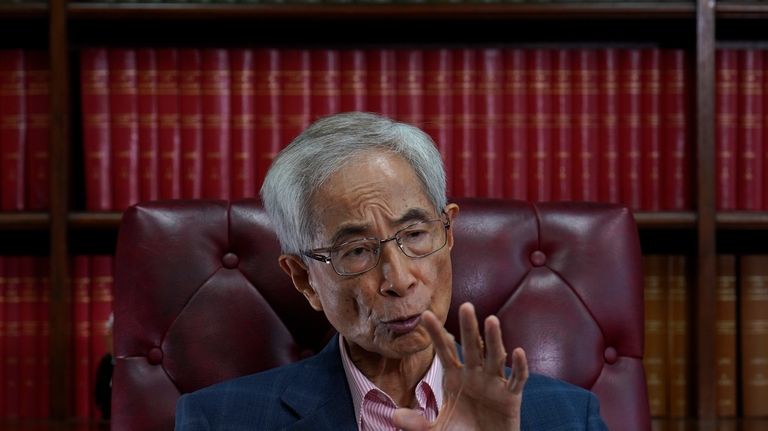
[
  {"x": 452, "y": 211},
  {"x": 299, "y": 273}
]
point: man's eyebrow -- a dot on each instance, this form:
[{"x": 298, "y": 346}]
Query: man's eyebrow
[{"x": 413, "y": 215}]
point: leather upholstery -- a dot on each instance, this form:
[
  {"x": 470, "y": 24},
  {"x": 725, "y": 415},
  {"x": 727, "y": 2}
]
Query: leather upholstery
[{"x": 200, "y": 298}]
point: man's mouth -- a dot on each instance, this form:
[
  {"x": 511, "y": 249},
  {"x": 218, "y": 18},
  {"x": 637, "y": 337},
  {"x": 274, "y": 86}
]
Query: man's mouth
[{"x": 404, "y": 325}]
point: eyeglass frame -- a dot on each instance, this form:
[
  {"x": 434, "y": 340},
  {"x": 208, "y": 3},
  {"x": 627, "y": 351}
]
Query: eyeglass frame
[{"x": 313, "y": 253}]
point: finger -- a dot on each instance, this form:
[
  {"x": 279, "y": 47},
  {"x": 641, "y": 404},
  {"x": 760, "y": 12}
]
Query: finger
[
  {"x": 471, "y": 343},
  {"x": 519, "y": 371},
  {"x": 495, "y": 355},
  {"x": 409, "y": 420},
  {"x": 445, "y": 345}
]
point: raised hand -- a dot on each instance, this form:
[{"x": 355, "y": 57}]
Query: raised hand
[{"x": 477, "y": 393}]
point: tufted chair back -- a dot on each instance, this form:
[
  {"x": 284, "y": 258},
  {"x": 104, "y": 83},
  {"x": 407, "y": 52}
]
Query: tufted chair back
[{"x": 200, "y": 298}]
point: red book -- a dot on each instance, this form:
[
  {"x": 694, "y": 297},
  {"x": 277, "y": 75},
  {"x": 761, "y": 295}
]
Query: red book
[
  {"x": 438, "y": 106},
  {"x": 750, "y": 129},
  {"x": 409, "y": 86},
  {"x": 242, "y": 139},
  {"x": 515, "y": 95},
  {"x": 650, "y": 124},
  {"x": 146, "y": 80},
  {"x": 3, "y": 321},
  {"x": 465, "y": 125},
  {"x": 124, "y": 127},
  {"x": 28, "y": 354},
  {"x": 43, "y": 296},
  {"x": 81, "y": 318},
  {"x": 216, "y": 123},
  {"x": 326, "y": 82},
  {"x": 190, "y": 118},
  {"x": 381, "y": 81},
  {"x": 267, "y": 108},
  {"x": 540, "y": 69},
  {"x": 168, "y": 130},
  {"x": 630, "y": 136},
  {"x": 101, "y": 287},
  {"x": 676, "y": 156},
  {"x": 354, "y": 80},
  {"x": 12, "y": 354},
  {"x": 609, "y": 189},
  {"x": 38, "y": 187},
  {"x": 490, "y": 144},
  {"x": 97, "y": 149},
  {"x": 296, "y": 104},
  {"x": 13, "y": 124},
  {"x": 726, "y": 136},
  {"x": 586, "y": 104},
  {"x": 562, "y": 108}
]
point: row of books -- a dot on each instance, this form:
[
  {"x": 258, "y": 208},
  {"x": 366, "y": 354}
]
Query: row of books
[
  {"x": 603, "y": 124},
  {"x": 24, "y": 114},
  {"x": 24, "y": 317},
  {"x": 741, "y": 340},
  {"x": 742, "y": 135}
]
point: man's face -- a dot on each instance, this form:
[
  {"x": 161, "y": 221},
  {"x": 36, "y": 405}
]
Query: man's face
[{"x": 375, "y": 196}]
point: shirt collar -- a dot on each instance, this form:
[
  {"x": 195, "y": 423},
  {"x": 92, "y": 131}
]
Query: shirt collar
[{"x": 360, "y": 385}]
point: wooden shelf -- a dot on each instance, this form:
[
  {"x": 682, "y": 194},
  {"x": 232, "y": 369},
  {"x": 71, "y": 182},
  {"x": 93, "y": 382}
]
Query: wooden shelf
[
  {"x": 95, "y": 220},
  {"x": 24, "y": 220},
  {"x": 742, "y": 220},
  {"x": 666, "y": 220},
  {"x": 741, "y": 10},
  {"x": 430, "y": 11},
  {"x": 23, "y": 10}
]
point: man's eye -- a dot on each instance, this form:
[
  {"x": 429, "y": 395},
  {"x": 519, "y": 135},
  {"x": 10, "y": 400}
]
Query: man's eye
[
  {"x": 357, "y": 252},
  {"x": 414, "y": 234}
]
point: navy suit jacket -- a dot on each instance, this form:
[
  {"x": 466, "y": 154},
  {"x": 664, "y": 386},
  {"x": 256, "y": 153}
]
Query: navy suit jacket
[{"x": 313, "y": 394}]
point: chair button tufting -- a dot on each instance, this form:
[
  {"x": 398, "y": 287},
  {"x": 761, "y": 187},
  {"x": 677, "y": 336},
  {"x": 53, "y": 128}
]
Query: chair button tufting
[
  {"x": 611, "y": 355},
  {"x": 230, "y": 260},
  {"x": 538, "y": 258},
  {"x": 155, "y": 356}
]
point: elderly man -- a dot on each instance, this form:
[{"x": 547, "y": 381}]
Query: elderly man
[{"x": 358, "y": 202}]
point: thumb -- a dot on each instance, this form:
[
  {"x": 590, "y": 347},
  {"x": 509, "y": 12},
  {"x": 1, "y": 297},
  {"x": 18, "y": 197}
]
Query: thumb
[{"x": 410, "y": 420}]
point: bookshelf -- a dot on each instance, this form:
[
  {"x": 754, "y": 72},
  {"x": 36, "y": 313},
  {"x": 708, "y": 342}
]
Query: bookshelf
[{"x": 697, "y": 26}]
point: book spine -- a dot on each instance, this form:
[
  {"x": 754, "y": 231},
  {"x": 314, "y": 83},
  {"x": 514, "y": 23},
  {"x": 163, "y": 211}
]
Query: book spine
[
  {"x": 726, "y": 113},
  {"x": 630, "y": 136},
  {"x": 13, "y": 125},
  {"x": 490, "y": 145},
  {"x": 168, "y": 130},
  {"x": 28, "y": 354},
  {"x": 651, "y": 129},
  {"x": 190, "y": 119},
  {"x": 38, "y": 188},
  {"x": 354, "y": 80},
  {"x": 43, "y": 296},
  {"x": 12, "y": 354},
  {"x": 146, "y": 81},
  {"x": 409, "y": 86},
  {"x": 296, "y": 103},
  {"x": 124, "y": 128},
  {"x": 753, "y": 323},
  {"x": 562, "y": 110},
  {"x": 465, "y": 116},
  {"x": 725, "y": 336},
  {"x": 267, "y": 109},
  {"x": 381, "y": 81},
  {"x": 540, "y": 70},
  {"x": 215, "y": 94},
  {"x": 81, "y": 299},
  {"x": 326, "y": 82},
  {"x": 515, "y": 102},
  {"x": 750, "y": 130},
  {"x": 586, "y": 133},
  {"x": 3, "y": 326},
  {"x": 675, "y": 115},
  {"x": 655, "y": 355},
  {"x": 243, "y": 182},
  {"x": 608, "y": 137},
  {"x": 97, "y": 148},
  {"x": 101, "y": 286},
  {"x": 677, "y": 347},
  {"x": 438, "y": 106}
]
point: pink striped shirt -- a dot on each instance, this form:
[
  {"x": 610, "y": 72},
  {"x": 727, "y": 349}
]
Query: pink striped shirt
[{"x": 374, "y": 408}]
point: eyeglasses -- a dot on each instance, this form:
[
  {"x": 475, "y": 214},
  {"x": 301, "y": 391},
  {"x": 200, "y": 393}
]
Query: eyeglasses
[{"x": 361, "y": 255}]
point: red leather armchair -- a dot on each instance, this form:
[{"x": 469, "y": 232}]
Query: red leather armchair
[{"x": 200, "y": 298}]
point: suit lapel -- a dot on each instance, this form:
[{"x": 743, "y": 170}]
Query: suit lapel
[{"x": 320, "y": 394}]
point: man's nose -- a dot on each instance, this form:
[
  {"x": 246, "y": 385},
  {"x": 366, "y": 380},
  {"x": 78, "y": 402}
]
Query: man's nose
[{"x": 397, "y": 269}]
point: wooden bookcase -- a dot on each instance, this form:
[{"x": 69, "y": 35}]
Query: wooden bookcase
[{"x": 698, "y": 26}]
